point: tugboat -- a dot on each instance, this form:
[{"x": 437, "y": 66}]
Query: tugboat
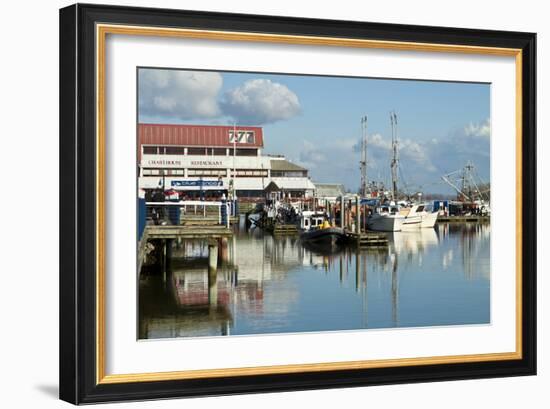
[{"x": 315, "y": 228}]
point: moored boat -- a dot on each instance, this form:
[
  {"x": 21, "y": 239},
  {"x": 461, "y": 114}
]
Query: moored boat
[
  {"x": 429, "y": 219},
  {"x": 330, "y": 235},
  {"x": 417, "y": 216},
  {"x": 386, "y": 218},
  {"x": 412, "y": 222},
  {"x": 316, "y": 229}
]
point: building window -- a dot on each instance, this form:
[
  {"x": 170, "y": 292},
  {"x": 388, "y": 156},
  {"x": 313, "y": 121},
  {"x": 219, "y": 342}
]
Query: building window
[
  {"x": 250, "y": 193},
  {"x": 175, "y": 172},
  {"x": 288, "y": 174},
  {"x": 151, "y": 172},
  {"x": 150, "y": 150},
  {"x": 216, "y": 152},
  {"x": 258, "y": 173},
  {"x": 246, "y": 152},
  {"x": 196, "y": 151},
  {"x": 175, "y": 150},
  {"x": 207, "y": 172}
]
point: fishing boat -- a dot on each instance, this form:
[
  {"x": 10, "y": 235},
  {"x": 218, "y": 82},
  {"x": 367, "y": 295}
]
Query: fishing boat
[
  {"x": 411, "y": 223},
  {"x": 386, "y": 218},
  {"x": 315, "y": 228},
  {"x": 428, "y": 215},
  {"x": 418, "y": 216},
  {"x": 395, "y": 215}
]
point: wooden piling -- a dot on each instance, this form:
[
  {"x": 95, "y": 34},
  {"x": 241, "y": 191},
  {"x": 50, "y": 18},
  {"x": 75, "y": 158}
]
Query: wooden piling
[
  {"x": 357, "y": 216},
  {"x": 342, "y": 212},
  {"x": 212, "y": 273},
  {"x": 365, "y": 215},
  {"x": 213, "y": 255},
  {"x": 357, "y": 272}
]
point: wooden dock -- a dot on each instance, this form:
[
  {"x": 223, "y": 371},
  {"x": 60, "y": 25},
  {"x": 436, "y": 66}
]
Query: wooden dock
[
  {"x": 187, "y": 232},
  {"x": 280, "y": 229},
  {"x": 463, "y": 219},
  {"x": 192, "y": 220},
  {"x": 369, "y": 239},
  {"x": 166, "y": 234}
]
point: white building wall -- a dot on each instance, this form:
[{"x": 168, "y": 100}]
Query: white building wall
[{"x": 227, "y": 163}]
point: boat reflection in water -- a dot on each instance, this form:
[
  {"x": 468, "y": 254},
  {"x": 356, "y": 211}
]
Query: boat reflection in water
[{"x": 265, "y": 284}]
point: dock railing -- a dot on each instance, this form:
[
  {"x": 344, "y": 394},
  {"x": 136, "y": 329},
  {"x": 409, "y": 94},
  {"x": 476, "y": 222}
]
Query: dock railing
[{"x": 174, "y": 212}]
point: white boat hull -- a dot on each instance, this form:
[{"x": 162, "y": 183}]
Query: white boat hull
[
  {"x": 385, "y": 223},
  {"x": 429, "y": 219},
  {"x": 412, "y": 223}
]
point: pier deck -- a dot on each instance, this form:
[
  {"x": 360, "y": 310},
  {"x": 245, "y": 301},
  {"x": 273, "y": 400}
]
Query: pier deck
[
  {"x": 187, "y": 232},
  {"x": 463, "y": 219},
  {"x": 369, "y": 239},
  {"x": 285, "y": 229},
  {"x": 170, "y": 232}
]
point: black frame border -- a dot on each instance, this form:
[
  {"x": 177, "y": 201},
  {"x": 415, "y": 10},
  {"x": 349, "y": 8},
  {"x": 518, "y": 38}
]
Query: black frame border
[{"x": 77, "y": 317}]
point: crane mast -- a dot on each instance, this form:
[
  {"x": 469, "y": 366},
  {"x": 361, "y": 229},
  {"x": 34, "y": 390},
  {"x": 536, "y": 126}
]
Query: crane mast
[
  {"x": 395, "y": 154},
  {"x": 465, "y": 183}
]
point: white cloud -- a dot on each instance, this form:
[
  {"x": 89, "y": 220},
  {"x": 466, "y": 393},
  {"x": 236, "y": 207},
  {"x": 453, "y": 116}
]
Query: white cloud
[
  {"x": 377, "y": 140},
  {"x": 417, "y": 153},
  {"x": 260, "y": 101},
  {"x": 179, "y": 94},
  {"x": 311, "y": 155},
  {"x": 422, "y": 160},
  {"x": 480, "y": 129},
  {"x": 379, "y": 147}
]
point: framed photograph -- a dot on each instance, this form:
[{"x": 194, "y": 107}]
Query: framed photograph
[{"x": 257, "y": 203}]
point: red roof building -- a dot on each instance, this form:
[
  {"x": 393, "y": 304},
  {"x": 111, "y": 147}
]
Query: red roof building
[{"x": 200, "y": 135}]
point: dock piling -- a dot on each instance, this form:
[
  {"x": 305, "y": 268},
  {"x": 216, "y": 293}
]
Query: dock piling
[
  {"x": 213, "y": 255},
  {"x": 342, "y": 212},
  {"x": 212, "y": 273},
  {"x": 357, "y": 216}
]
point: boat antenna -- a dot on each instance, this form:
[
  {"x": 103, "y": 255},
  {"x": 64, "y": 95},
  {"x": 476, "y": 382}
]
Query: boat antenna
[
  {"x": 363, "y": 162},
  {"x": 395, "y": 154}
]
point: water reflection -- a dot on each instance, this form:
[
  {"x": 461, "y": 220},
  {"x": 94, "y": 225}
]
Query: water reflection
[{"x": 264, "y": 284}]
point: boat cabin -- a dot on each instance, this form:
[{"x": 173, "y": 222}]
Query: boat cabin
[
  {"x": 311, "y": 220},
  {"x": 388, "y": 209}
]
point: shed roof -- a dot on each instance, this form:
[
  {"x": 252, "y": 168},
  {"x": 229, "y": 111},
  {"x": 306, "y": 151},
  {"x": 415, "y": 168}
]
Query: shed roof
[
  {"x": 283, "y": 164},
  {"x": 329, "y": 189},
  {"x": 279, "y": 184}
]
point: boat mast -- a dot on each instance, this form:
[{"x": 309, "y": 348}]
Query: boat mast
[
  {"x": 395, "y": 154},
  {"x": 363, "y": 162},
  {"x": 447, "y": 179}
]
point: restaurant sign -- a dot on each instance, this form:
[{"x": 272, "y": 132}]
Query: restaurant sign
[
  {"x": 186, "y": 163},
  {"x": 203, "y": 183}
]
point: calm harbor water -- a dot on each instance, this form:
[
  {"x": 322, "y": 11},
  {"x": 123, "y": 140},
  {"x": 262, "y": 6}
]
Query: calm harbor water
[{"x": 266, "y": 284}]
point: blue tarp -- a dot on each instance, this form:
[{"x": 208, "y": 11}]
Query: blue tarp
[{"x": 369, "y": 202}]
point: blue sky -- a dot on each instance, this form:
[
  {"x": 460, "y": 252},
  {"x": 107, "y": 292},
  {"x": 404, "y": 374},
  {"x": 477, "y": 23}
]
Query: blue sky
[{"x": 315, "y": 121}]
